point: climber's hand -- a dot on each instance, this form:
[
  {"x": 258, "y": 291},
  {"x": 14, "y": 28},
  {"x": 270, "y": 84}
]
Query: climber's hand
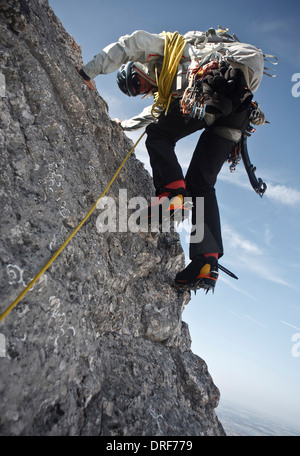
[
  {"x": 118, "y": 121},
  {"x": 89, "y": 82}
]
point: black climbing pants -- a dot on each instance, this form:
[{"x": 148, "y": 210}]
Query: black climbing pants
[{"x": 208, "y": 158}]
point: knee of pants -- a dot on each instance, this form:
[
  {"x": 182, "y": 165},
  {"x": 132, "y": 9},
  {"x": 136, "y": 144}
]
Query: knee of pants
[
  {"x": 153, "y": 130},
  {"x": 200, "y": 185},
  {"x": 155, "y": 134}
]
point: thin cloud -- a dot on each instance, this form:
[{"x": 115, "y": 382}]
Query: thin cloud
[
  {"x": 288, "y": 324},
  {"x": 283, "y": 194},
  {"x": 249, "y": 256},
  {"x": 237, "y": 242},
  {"x": 265, "y": 269},
  {"x": 235, "y": 178},
  {"x": 279, "y": 193},
  {"x": 232, "y": 285},
  {"x": 268, "y": 235},
  {"x": 247, "y": 318},
  {"x": 279, "y": 35}
]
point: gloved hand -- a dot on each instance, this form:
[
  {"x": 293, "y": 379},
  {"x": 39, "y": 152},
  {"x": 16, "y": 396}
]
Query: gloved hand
[
  {"x": 216, "y": 82},
  {"x": 235, "y": 79},
  {"x": 214, "y": 95},
  {"x": 88, "y": 81},
  {"x": 237, "y": 88}
]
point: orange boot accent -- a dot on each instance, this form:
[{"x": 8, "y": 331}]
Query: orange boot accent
[{"x": 205, "y": 270}]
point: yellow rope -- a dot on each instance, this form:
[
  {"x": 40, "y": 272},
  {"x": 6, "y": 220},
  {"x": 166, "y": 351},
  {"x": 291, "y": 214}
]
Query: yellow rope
[
  {"x": 16, "y": 301},
  {"x": 174, "y": 46}
]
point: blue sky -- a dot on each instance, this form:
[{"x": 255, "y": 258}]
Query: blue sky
[{"x": 247, "y": 331}]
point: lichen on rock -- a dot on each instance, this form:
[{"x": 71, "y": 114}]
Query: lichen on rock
[{"x": 98, "y": 345}]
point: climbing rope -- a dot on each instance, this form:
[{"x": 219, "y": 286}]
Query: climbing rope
[
  {"x": 58, "y": 252},
  {"x": 174, "y": 46}
]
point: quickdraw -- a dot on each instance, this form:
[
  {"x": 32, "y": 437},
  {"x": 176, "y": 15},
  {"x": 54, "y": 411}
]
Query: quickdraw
[{"x": 235, "y": 158}]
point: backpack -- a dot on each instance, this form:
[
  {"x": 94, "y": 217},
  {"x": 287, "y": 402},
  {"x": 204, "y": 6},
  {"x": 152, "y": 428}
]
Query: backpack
[{"x": 248, "y": 57}]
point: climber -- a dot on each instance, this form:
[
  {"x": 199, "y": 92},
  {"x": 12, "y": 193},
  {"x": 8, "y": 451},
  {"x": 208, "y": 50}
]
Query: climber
[{"x": 224, "y": 95}]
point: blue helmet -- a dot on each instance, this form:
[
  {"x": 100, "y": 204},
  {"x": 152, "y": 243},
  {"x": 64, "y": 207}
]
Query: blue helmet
[{"x": 128, "y": 80}]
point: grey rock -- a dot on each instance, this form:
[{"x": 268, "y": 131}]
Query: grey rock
[{"x": 98, "y": 345}]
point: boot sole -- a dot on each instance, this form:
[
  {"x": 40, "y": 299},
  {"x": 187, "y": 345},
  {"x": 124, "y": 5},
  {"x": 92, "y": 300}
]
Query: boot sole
[
  {"x": 207, "y": 283},
  {"x": 170, "y": 216}
]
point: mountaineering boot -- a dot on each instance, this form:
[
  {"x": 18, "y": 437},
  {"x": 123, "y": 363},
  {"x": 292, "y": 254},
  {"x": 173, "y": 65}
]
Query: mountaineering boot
[
  {"x": 168, "y": 206},
  {"x": 202, "y": 272}
]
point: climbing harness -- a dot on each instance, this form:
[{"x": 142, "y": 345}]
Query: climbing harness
[
  {"x": 57, "y": 253},
  {"x": 174, "y": 46}
]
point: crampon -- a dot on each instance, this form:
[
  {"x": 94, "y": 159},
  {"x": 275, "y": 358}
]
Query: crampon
[
  {"x": 165, "y": 210},
  {"x": 201, "y": 273}
]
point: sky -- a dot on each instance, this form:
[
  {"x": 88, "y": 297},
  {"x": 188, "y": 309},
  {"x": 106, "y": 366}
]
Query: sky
[{"x": 248, "y": 331}]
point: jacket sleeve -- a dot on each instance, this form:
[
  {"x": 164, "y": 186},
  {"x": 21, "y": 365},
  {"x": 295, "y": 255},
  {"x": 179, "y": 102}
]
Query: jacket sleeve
[
  {"x": 135, "y": 47},
  {"x": 139, "y": 121}
]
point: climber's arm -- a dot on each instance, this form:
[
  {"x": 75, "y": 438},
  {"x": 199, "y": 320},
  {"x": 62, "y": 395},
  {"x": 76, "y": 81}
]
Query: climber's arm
[
  {"x": 140, "y": 121},
  {"x": 135, "y": 47}
]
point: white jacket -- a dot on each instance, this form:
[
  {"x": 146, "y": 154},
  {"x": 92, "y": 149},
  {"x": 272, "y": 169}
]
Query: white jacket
[{"x": 147, "y": 50}]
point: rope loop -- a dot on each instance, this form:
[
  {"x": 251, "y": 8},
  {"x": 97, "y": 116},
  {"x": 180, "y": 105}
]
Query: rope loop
[{"x": 174, "y": 46}]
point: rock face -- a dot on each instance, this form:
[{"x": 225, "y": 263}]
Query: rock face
[{"x": 97, "y": 346}]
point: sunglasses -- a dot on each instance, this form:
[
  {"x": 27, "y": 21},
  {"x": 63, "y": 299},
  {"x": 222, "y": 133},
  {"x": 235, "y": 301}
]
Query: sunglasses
[{"x": 135, "y": 83}]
